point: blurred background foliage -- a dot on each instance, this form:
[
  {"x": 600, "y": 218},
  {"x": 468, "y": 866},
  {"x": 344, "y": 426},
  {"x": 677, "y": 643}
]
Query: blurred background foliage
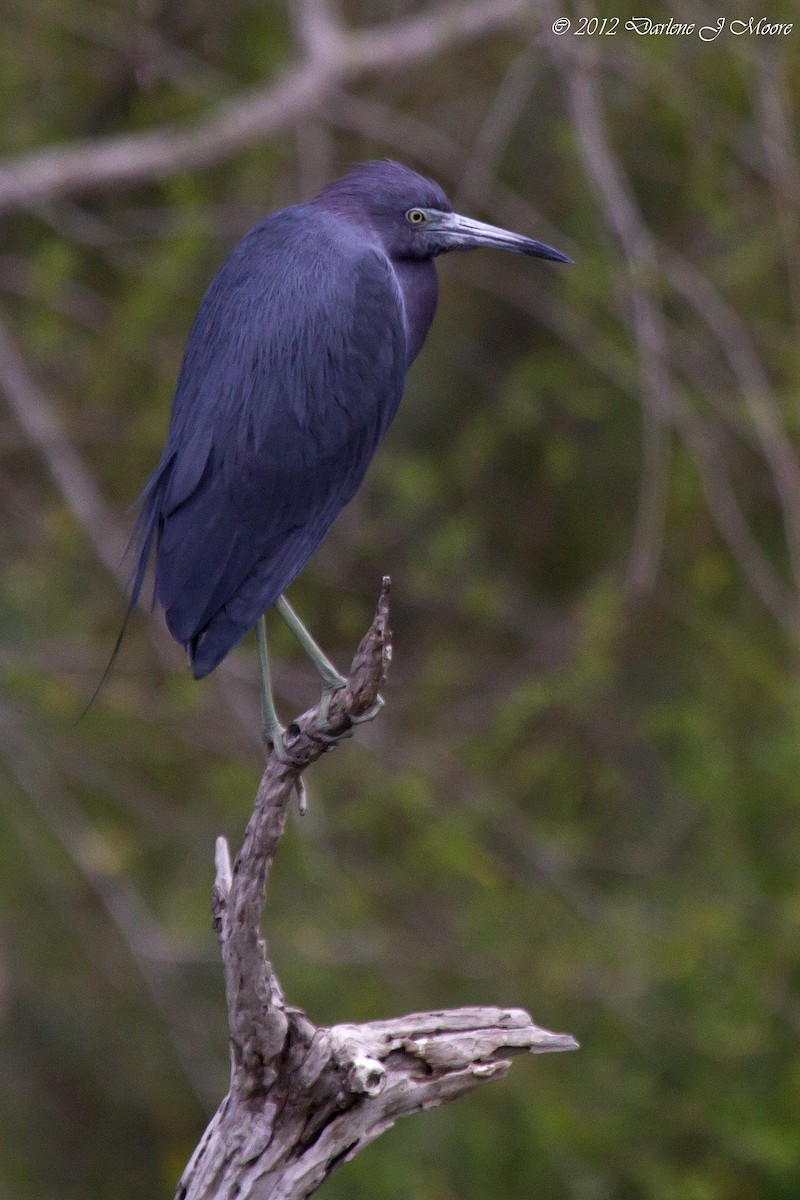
[{"x": 583, "y": 795}]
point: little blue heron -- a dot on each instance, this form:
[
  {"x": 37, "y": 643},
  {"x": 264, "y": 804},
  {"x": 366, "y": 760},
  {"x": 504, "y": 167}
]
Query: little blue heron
[{"x": 292, "y": 373}]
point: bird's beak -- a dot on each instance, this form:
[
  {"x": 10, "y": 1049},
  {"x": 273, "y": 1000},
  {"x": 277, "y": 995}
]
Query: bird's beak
[{"x": 462, "y": 233}]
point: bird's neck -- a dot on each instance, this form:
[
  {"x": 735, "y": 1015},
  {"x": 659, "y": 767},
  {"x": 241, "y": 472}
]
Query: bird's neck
[{"x": 419, "y": 284}]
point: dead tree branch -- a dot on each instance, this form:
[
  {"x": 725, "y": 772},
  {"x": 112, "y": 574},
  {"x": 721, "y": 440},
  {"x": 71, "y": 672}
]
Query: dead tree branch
[{"x": 303, "y": 1099}]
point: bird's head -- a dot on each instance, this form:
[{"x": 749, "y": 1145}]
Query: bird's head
[{"x": 414, "y": 219}]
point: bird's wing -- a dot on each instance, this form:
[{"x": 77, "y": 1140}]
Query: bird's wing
[{"x": 293, "y": 370}]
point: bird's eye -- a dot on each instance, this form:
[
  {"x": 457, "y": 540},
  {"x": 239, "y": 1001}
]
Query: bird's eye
[{"x": 415, "y": 215}]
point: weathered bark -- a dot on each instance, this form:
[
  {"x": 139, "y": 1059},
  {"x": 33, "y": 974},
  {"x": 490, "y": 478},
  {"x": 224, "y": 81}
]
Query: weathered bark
[{"x": 303, "y": 1099}]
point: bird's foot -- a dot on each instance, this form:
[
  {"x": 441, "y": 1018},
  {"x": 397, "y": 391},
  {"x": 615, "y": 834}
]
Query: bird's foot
[
  {"x": 331, "y": 739},
  {"x": 370, "y": 714},
  {"x": 273, "y": 737},
  {"x": 329, "y": 689}
]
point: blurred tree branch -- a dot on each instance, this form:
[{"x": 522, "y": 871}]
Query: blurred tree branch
[
  {"x": 578, "y": 71},
  {"x": 617, "y": 780},
  {"x": 333, "y": 56},
  {"x": 304, "y": 1099},
  {"x": 154, "y": 954},
  {"x": 663, "y": 406},
  {"x": 36, "y": 416}
]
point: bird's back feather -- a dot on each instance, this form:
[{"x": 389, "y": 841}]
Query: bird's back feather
[{"x": 293, "y": 370}]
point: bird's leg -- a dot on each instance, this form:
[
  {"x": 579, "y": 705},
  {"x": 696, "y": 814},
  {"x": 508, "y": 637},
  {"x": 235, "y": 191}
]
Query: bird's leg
[
  {"x": 331, "y": 678},
  {"x": 272, "y": 730},
  {"x": 332, "y": 681}
]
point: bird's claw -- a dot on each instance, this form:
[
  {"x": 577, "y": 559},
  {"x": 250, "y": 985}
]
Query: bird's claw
[
  {"x": 274, "y": 740},
  {"x": 370, "y": 714},
  {"x": 331, "y": 739},
  {"x": 274, "y": 735},
  {"x": 329, "y": 690}
]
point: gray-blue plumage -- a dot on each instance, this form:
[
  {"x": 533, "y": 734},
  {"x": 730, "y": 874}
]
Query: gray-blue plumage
[{"x": 293, "y": 370}]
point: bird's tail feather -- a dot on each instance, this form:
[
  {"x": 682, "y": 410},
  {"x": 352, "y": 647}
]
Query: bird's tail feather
[{"x": 143, "y": 535}]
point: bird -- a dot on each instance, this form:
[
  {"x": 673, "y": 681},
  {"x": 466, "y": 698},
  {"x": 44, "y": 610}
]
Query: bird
[{"x": 293, "y": 371}]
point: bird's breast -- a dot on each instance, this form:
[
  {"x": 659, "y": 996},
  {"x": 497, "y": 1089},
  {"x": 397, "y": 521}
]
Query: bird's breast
[{"x": 419, "y": 285}]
